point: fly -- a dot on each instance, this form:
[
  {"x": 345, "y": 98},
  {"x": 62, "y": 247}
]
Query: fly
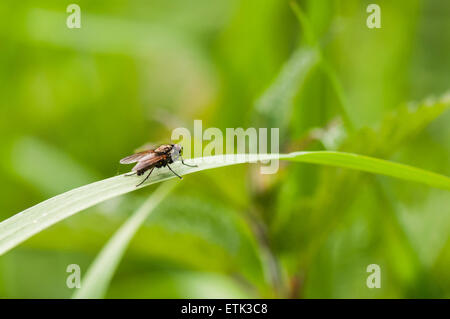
[{"x": 159, "y": 157}]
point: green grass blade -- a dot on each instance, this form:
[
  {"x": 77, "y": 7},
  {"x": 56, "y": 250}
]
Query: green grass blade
[
  {"x": 101, "y": 271},
  {"x": 31, "y": 221},
  {"x": 372, "y": 165}
]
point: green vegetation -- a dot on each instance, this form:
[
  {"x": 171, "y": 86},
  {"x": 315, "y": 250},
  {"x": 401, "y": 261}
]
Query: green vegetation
[{"x": 75, "y": 101}]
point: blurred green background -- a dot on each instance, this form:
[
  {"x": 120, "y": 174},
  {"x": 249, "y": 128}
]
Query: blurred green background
[{"x": 75, "y": 101}]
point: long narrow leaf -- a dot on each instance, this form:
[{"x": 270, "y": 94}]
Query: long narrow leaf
[
  {"x": 100, "y": 273},
  {"x": 22, "y": 226}
]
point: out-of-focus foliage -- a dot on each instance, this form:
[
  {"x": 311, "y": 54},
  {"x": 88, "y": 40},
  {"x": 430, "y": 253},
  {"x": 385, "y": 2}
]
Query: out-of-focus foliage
[{"x": 73, "y": 102}]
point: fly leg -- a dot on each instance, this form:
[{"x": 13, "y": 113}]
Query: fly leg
[
  {"x": 174, "y": 172},
  {"x": 130, "y": 174},
  {"x": 182, "y": 162},
  {"x": 146, "y": 177}
]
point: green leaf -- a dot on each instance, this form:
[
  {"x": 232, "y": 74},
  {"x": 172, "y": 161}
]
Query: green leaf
[
  {"x": 373, "y": 165},
  {"x": 31, "y": 221},
  {"x": 312, "y": 41},
  {"x": 275, "y": 106},
  {"x": 102, "y": 269},
  {"x": 397, "y": 127}
]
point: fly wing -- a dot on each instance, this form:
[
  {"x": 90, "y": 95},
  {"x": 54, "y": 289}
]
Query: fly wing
[
  {"x": 146, "y": 162},
  {"x": 146, "y": 147},
  {"x": 137, "y": 157},
  {"x": 163, "y": 149}
]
